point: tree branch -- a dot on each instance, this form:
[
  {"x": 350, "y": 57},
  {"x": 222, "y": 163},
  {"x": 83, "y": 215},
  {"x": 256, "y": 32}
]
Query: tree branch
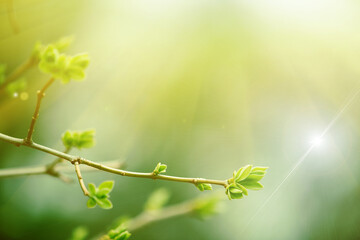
[
  {"x": 21, "y": 142},
  {"x": 40, "y": 96},
  {"x": 43, "y": 170}
]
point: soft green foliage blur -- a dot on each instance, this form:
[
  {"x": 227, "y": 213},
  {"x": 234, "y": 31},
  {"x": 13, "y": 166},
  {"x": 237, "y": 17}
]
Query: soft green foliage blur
[
  {"x": 157, "y": 200},
  {"x": 78, "y": 139},
  {"x": 203, "y": 86}
]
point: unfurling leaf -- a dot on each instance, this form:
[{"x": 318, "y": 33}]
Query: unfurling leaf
[{"x": 160, "y": 168}]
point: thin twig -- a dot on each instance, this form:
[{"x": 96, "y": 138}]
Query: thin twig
[
  {"x": 81, "y": 180},
  {"x": 51, "y": 166},
  {"x": 40, "y": 96},
  {"x": 21, "y": 142}
]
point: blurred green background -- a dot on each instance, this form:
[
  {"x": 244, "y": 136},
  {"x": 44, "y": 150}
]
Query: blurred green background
[{"x": 204, "y": 86}]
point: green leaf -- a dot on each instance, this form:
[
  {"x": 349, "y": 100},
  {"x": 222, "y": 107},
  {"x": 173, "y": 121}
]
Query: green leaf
[
  {"x": 254, "y": 177},
  {"x": 92, "y": 189},
  {"x": 243, "y": 173},
  {"x": 263, "y": 169},
  {"x": 104, "y": 203},
  {"x": 91, "y": 203},
  {"x": 204, "y": 186},
  {"x": 160, "y": 168},
  {"x": 157, "y": 199},
  {"x": 233, "y": 192},
  {"x": 106, "y": 187},
  {"x": 242, "y": 188},
  {"x": 252, "y": 185}
]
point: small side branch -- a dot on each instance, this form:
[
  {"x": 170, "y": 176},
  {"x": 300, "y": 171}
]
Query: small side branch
[
  {"x": 40, "y": 96},
  {"x": 81, "y": 180},
  {"x": 146, "y": 218}
]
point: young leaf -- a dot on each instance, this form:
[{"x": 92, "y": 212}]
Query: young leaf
[
  {"x": 204, "y": 186},
  {"x": 252, "y": 185},
  {"x": 244, "y": 173},
  {"x": 263, "y": 169},
  {"x": 91, "y": 203},
  {"x": 107, "y": 184},
  {"x": 104, "y": 203},
  {"x": 254, "y": 177},
  {"x": 233, "y": 192},
  {"x": 160, "y": 168},
  {"x": 92, "y": 189}
]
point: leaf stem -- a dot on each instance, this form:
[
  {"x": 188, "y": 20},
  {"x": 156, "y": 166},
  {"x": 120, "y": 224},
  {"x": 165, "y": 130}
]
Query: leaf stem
[{"x": 40, "y": 96}]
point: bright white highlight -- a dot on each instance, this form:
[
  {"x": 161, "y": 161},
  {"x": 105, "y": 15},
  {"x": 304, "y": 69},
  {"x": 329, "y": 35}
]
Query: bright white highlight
[{"x": 317, "y": 141}]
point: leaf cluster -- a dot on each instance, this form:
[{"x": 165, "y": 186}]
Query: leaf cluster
[
  {"x": 62, "y": 66},
  {"x": 245, "y": 178},
  {"x": 100, "y": 196}
]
